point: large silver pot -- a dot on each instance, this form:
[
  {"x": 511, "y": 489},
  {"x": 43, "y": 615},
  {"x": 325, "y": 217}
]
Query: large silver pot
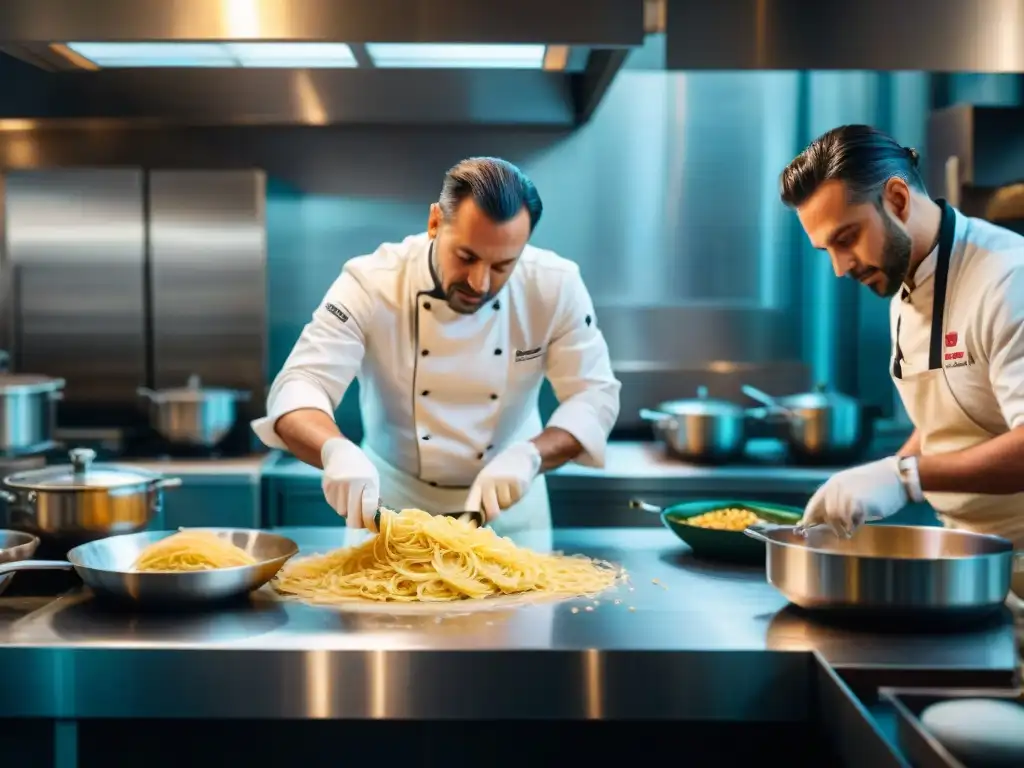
[
  {"x": 822, "y": 426},
  {"x": 193, "y": 415},
  {"x": 83, "y": 501},
  {"x": 700, "y": 430},
  {"x": 890, "y": 569},
  {"x": 28, "y": 410}
]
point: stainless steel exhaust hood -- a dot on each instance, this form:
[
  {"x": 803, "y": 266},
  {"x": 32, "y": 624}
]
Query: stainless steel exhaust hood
[
  {"x": 223, "y": 62},
  {"x": 928, "y": 35}
]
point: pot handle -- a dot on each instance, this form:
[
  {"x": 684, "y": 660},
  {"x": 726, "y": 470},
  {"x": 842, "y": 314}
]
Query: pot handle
[
  {"x": 168, "y": 482},
  {"x": 35, "y": 565},
  {"x": 753, "y": 533},
  {"x": 7, "y": 496},
  {"x": 771, "y": 403},
  {"x": 656, "y": 416},
  {"x": 643, "y": 505},
  {"x": 757, "y": 530}
]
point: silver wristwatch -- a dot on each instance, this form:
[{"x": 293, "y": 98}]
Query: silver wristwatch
[{"x": 911, "y": 478}]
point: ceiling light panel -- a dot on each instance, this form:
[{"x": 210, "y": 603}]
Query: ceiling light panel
[
  {"x": 118, "y": 55},
  {"x": 456, "y": 56},
  {"x": 225, "y": 55},
  {"x": 297, "y": 55}
]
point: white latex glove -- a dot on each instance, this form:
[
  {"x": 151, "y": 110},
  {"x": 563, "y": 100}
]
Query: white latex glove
[
  {"x": 505, "y": 479},
  {"x": 350, "y": 482},
  {"x": 850, "y": 498}
]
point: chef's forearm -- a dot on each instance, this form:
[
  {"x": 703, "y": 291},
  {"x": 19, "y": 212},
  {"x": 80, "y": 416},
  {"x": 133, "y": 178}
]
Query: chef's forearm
[
  {"x": 305, "y": 431},
  {"x": 912, "y": 447},
  {"x": 995, "y": 466},
  {"x": 556, "y": 447}
]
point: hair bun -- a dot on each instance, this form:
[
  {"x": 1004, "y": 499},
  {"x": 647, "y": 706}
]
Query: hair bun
[{"x": 913, "y": 155}]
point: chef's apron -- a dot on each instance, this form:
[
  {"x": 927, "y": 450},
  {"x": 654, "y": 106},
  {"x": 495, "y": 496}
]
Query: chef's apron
[
  {"x": 945, "y": 427},
  {"x": 400, "y": 490}
]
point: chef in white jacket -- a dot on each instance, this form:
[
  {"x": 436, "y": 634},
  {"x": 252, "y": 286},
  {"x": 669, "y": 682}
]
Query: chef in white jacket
[
  {"x": 957, "y": 323},
  {"x": 451, "y": 333}
]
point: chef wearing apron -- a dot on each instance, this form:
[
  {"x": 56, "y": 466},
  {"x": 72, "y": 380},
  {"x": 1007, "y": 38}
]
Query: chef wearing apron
[
  {"x": 450, "y": 334},
  {"x": 957, "y": 326}
]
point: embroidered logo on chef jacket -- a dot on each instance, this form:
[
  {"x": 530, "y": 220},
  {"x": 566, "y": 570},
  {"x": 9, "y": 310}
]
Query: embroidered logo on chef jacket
[
  {"x": 955, "y": 353},
  {"x": 522, "y": 355},
  {"x": 337, "y": 311}
]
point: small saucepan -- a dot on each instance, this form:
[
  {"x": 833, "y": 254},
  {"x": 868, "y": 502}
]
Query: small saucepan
[
  {"x": 716, "y": 543},
  {"x": 28, "y": 410},
  {"x": 820, "y": 427},
  {"x": 700, "y": 430},
  {"x": 193, "y": 414},
  {"x": 81, "y": 501}
]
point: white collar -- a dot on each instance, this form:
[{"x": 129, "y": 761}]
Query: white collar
[
  {"x": 925, "y": 271},
  {"x": 424, "y": 278}
]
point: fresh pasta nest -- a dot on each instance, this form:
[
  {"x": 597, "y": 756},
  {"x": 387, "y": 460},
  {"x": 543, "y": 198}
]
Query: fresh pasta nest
[
  {"x": 421, "y": 557},
  {"x": 191, "y": 550}
]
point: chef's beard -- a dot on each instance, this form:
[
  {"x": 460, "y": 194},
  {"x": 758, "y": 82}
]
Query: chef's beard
[
  {"x": 896, "y": 252},
  {"x": 452, "y": 295},
  {"x": 456, "y": 302}
]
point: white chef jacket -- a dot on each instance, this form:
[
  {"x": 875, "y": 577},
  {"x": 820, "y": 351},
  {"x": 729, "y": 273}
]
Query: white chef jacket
[
  {"x": 958, "y": 360},
  {"x": 984, "y": 364},
  {"x": 442, "y": 393}
]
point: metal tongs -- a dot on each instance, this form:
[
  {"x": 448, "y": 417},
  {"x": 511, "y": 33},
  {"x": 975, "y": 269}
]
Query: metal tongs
[{"x": 477, "y": 519}]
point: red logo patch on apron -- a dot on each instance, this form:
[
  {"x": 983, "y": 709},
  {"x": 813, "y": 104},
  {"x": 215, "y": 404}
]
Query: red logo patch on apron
[{"x": 951, "y": 339}]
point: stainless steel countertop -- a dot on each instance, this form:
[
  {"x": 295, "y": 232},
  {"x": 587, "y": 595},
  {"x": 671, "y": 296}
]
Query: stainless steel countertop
[{"x": 695, "y": 628}]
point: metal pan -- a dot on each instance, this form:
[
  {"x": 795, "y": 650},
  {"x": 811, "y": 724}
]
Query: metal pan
[
  {"x": 106, "y": 568},
  {"x": 820, "y": 427},
  {"x": 14, "y": 546},
  {"x": 716, "y": 544},
  {"x": 700, "y": 430},
  {"x": 890, "y": 569}
]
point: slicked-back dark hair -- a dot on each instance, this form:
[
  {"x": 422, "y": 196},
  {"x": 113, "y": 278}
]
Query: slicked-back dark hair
[
  {"x": 497, "y": 186},
  {"x": 861, "y": 157}
]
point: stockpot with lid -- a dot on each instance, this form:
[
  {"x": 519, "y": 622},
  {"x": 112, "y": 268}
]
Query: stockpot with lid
[
  {"x": 28, "y": 410},
  {"x": 82, "y": 501}
]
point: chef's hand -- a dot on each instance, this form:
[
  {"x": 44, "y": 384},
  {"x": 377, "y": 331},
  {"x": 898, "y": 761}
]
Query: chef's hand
[
  {"x": 350, "y": 482},
  {"x": 505, "y": 479},
  {"x": 850, "y": 498}
]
